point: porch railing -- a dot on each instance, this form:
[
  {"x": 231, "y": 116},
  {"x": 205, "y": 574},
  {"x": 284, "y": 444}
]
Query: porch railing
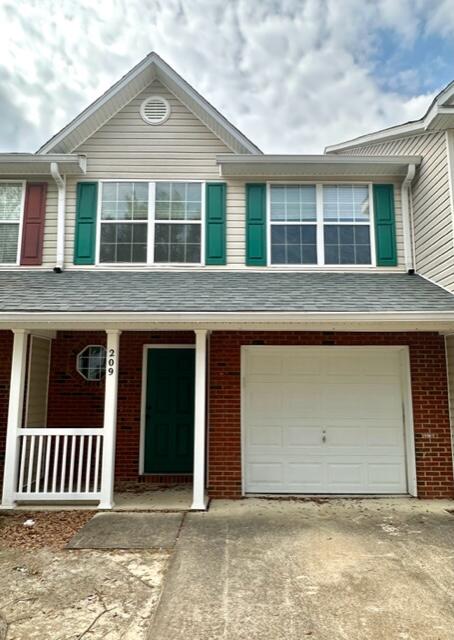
[{"x": 59, "y": 464}]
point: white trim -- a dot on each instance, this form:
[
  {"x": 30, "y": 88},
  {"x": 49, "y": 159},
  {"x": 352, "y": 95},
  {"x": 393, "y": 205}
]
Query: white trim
[
  {"x": 373, "y": 248},
  {"x": 132, "y": 317},
  {"x": 15, "y": 416},
  {"x": 408, "y": 424},
  {"x": 315, "y": 159},
  {"x": 143, "y": 397},
  {"x": 151, "y": 224},
  {"x": 110, "y": 419},
  {"x": 320, "y": 223},
  {"x": 409, "y": 430},
  {"x": 87, "y": 346},
  {"x": 403, "y": 130},
  {"x": 199, "y": 501},
  {"x": 449, "y": 141}
]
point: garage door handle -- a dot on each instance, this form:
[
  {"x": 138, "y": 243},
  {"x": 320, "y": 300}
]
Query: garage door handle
[{"x": 323, "y": 435}]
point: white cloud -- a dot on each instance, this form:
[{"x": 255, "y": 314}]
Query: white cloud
[{"x": 293, "y": 75}]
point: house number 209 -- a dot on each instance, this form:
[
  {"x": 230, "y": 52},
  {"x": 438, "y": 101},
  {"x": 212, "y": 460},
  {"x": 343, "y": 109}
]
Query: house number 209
[{"x": 111, "y": 362}]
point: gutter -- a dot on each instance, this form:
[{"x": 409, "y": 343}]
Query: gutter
[
  {"x": 132, "y": 317},
  {"x": 407, "y": 220},
  {"x": 61, "y": 186}
]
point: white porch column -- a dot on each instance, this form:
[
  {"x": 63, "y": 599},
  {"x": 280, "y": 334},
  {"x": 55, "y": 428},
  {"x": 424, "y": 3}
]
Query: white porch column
[
  {"x": 198, "y": 491},
  {"x": 110, "y": 419},
  {"x": 15, "y": 411}
]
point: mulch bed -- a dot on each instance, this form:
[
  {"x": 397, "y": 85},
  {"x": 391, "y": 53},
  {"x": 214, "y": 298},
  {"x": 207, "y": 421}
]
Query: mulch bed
[{"x": 49, "y": 529}]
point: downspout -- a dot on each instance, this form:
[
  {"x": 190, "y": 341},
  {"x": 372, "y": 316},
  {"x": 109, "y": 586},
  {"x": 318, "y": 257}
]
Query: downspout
[
  {"x": 61, "y": 186},
  {"x": 407, "y": 220}
]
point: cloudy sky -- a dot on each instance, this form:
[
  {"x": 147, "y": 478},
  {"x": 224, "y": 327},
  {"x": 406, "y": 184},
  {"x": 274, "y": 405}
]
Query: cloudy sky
[{"x": 293, "y": 75}]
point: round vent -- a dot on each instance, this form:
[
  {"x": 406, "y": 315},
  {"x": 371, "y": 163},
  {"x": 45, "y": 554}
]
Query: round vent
[{"x": 155, "y": 110}]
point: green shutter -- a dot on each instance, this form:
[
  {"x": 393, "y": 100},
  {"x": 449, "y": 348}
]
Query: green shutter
[
  {"x": 215, "y": 252},
  {"x": 385, "y": 225},
  {"x": 256, "y": 225},
  {"x": 86, "y": 207}
]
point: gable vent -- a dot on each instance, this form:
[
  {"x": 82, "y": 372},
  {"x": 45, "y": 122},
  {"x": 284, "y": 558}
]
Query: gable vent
[{"x": 155, "y": 110}]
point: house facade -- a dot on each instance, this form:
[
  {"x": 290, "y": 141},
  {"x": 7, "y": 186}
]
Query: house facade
[{"x": 176, "y": 306}]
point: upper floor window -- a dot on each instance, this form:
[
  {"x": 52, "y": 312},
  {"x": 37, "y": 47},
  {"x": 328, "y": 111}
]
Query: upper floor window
[
  {"x": 152, "y": 222},
  {"x": 178, "y": 209},
  {"x": 11, "y": 208},
  {"x": 327, "y": 224}
]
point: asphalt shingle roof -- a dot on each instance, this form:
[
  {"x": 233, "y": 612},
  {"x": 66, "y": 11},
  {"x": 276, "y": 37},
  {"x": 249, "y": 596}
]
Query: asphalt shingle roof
[{"x": 222, "y": 291}]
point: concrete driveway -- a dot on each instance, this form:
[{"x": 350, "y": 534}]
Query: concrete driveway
[{"x": 329, "y": 570}]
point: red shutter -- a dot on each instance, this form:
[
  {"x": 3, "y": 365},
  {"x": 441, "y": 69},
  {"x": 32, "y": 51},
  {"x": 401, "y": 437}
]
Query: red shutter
[{"x": 33, "y": 225}]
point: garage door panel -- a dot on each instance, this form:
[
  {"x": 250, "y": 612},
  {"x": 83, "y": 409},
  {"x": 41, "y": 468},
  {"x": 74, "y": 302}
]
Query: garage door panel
[
  {"x": 269, "y": 473},
  {"x": 309, "y": 436},
  {"x": 386, "y": 474},
  {"x": 294, "y": 400},
  {"x": 358, "y": 362},
  {"x": 308, "y": 474},
  {"x": 323, "y": 421},
  {"x": 340, "y": 474},
  {"x": 360, "y": 400},
  {"x": 265, "y": 436}
]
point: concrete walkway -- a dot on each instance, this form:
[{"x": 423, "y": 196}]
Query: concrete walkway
[{"x": 272, "y": 570}]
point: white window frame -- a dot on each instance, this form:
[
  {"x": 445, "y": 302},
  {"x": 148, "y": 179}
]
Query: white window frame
[
  {"x": 319, "y": 223},
  {"x": 21, "y": 223},
  {"x": 151, "y": 222}
]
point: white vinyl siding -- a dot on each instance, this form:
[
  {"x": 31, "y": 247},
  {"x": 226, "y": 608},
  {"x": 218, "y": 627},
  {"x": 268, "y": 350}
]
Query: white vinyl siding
[
  {"x": 50, "y": 224},
  {"x": 433, "y": 225},
  {"x": 182, "y": 148},
  {"x": 38, "y": 380},
  {"x": 126, "y": 148}
]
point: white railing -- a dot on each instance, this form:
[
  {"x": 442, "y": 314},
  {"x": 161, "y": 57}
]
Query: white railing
[{"x": 59, "y": 464}]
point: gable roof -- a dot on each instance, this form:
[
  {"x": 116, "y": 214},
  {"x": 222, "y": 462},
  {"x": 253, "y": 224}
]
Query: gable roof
[
  {"x": 128, "y": 87},
  {"x": 439, "y": 116}
]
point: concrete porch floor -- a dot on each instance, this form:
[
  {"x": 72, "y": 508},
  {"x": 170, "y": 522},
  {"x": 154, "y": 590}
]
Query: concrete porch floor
[
  {"x": 137, "y": 498},
  {"x": 155, "y": 498}
]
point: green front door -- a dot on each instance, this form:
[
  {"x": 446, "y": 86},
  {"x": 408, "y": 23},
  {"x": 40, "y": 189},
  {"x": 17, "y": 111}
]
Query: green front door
[{"x": 169, "y": 418}]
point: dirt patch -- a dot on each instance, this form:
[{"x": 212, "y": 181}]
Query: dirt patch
[{"x": 40, "y": 529}]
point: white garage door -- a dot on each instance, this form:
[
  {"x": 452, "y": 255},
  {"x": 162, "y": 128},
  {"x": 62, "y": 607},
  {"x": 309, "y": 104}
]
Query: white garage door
[{"x": 323, "y": 420}]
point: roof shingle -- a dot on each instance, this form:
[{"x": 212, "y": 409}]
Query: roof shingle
[{"x": 222, "y": 291}]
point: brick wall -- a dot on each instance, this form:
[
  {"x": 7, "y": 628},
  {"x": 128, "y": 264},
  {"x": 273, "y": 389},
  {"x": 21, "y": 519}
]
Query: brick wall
[
  {"x": 430, "y": 403},
  {"x": 76, "y": 402}
]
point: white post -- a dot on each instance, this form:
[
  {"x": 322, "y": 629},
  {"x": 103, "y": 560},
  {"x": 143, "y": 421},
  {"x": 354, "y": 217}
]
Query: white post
[
  {"x": 110, "y": 420},
  {"x": 198, "y": 490},
  {"x": 15, "y": 410}
]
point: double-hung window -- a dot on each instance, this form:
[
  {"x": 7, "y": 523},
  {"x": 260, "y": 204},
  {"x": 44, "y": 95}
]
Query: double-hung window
[
  {"x": 151, "y": 222},
  {"x": 320, "y": 224},
  {"x": 124, "y": 222},
  {"x": 178, "y": 222},
  {"x": 293, "y": 215},
  {"x": 346, "y": 220},
  {"x": 11, "y": 210}
]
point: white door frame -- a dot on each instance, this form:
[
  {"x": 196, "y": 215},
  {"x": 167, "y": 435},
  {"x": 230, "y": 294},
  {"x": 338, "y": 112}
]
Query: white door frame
[
  {"x": 407, "y": 408},
  {"x": 143, "y": 401}
]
